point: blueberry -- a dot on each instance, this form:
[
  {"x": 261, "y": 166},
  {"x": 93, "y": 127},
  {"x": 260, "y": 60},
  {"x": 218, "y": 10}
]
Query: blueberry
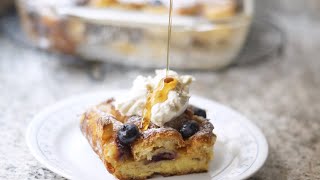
[
  {"x": 156, "y": 2},
  {"x": 81, "y": 2},
  {"x": 128, "y": 133},
  {"x": 189, "y": 129},
  {"x": 199, "y": 112}
]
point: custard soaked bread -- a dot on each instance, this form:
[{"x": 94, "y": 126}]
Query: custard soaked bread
[
  {"x": 182, "y": 145},
  {"x": 155, "y": 151}
]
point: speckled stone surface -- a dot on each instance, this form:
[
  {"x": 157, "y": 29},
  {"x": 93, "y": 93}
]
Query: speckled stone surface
[{"x": 281, "y": 95}]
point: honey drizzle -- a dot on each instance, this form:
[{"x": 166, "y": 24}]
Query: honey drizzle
[{"x": 159, "y": 95}]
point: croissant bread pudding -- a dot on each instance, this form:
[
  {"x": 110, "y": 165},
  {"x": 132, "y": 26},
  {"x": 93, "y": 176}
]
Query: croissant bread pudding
[{"x": 151, "y": 130}]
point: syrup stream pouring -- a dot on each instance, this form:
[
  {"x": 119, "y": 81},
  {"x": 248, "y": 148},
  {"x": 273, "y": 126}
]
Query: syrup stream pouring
[
  {"x": 169, "y": 37},
  {"x": 160, "y": 94}
]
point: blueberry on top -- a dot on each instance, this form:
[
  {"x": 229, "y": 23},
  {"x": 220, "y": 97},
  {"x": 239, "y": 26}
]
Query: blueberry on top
[
  {"x": 156, "y": 2},
  {"x": 128, "y": 133},
  {"x": 189, "y": 129},
  {"x": 199, "y": 112}
]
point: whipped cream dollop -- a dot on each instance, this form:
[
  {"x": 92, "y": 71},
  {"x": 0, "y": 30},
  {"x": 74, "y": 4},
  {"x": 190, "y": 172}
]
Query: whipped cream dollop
[{"x": 134, "y": 102}]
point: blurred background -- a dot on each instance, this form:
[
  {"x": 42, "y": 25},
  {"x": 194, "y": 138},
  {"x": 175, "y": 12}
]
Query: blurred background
[{"x": 259, "y": 57}]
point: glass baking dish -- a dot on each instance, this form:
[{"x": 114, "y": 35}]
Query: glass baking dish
[{"x": 206, "y": 34}]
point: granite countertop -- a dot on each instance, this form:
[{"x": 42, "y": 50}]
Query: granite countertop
[{"x": 280, "y": 94}]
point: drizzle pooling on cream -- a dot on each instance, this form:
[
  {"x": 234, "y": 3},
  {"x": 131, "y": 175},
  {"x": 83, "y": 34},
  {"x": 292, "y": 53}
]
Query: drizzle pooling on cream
[{"x": 173, "y": 105}]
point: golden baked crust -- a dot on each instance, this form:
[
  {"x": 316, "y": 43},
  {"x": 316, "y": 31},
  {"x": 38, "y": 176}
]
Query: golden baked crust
[{"x": 156, "y": 151}]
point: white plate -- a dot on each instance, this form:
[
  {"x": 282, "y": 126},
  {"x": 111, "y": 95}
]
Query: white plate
[{"x": 54, "y": 138}]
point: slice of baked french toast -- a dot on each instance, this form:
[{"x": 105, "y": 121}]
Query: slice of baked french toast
[{"x": 183, "y": 145}]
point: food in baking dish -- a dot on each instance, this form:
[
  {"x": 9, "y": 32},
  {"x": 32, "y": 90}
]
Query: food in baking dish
[{"x": 192, "y": 48}]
